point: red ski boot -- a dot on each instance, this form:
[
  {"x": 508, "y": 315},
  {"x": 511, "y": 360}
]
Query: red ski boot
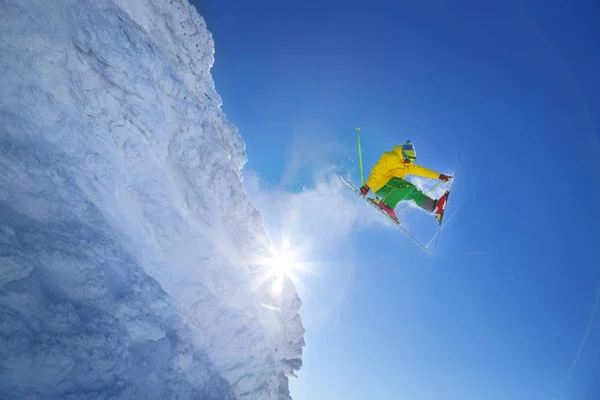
[
  {"x": 389, "y": 210},
  {"x": 440, "y": 206}
]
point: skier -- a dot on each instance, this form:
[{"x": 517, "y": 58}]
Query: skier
[{"x": 387, "y": 181}]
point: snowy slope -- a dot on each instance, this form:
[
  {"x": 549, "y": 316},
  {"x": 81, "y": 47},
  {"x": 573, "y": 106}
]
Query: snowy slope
[{"x": 128, "y": 246}]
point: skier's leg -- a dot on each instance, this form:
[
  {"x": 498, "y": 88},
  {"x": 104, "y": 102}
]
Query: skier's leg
[
  {"x": 394, "y": 191},
  {"x": 429, "y": 204}
]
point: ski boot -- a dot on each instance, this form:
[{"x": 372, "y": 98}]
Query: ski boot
[
  {"x": 388, "y": 210},
  {"x": 440, "y": 206}
]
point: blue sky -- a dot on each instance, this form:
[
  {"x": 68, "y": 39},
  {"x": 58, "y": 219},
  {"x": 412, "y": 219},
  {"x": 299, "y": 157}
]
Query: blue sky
[{"x": 501, "y": 310}]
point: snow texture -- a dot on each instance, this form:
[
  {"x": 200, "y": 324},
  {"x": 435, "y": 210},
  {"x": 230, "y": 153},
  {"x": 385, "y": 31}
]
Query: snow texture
[{"x": 128, "y": 245}]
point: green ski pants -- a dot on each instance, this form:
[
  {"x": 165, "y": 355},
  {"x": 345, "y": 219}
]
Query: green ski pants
[{"x": 397, "y": 189}]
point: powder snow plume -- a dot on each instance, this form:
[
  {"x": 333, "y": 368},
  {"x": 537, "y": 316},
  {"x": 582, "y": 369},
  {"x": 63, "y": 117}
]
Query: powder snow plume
[{"x": 128, "y": 245}]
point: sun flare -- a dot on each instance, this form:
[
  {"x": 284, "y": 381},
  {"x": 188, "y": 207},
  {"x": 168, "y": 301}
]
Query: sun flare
[{"x": 283, "y": 262}]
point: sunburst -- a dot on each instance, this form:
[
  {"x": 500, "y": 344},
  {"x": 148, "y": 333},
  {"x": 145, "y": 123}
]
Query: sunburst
[{"x": 282, "y": 262}]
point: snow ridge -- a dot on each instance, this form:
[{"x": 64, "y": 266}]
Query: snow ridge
[{"x": 127, "y": 240}]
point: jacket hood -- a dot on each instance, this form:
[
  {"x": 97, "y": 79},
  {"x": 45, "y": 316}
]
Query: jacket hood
[{"x": 398, "y": 150}]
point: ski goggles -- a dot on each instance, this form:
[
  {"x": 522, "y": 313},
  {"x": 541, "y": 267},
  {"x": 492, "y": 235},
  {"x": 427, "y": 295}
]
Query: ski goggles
[{"x": 409, "y": 154}]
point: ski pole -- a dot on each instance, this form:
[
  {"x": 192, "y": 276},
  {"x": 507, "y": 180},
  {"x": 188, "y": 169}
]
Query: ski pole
[{"x": 360, "y": 157}]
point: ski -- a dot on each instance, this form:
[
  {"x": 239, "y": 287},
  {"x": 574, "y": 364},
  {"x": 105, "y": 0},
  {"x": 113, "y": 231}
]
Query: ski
[
  {"x": 441, "y": 216},
  {"x": 441, "y": 219}
]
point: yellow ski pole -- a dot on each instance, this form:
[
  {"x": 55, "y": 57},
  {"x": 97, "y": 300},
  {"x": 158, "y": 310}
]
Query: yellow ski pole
[{"x": 360, "y": 157}]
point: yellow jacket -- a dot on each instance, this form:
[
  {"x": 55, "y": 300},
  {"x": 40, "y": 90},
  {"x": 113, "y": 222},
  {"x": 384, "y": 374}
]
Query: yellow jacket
[{"x": 392, "y": 165}]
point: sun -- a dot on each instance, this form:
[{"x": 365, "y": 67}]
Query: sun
[{"x": 282, "y": 262}]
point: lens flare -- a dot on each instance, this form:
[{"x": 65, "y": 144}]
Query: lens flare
[{"x": 282, "y": 262}]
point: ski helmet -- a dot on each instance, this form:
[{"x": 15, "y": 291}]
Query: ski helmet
[{"x": 408, "y": 152}]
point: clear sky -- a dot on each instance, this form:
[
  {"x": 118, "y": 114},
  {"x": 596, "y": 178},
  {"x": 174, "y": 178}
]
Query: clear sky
[{"x": 504, "y": 309}]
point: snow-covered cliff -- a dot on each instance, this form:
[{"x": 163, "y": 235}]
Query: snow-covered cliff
[{"x": 128, "y": 247}]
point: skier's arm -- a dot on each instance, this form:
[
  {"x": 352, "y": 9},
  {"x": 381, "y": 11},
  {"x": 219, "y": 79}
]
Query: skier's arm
[{"x": 424, "y": 172}]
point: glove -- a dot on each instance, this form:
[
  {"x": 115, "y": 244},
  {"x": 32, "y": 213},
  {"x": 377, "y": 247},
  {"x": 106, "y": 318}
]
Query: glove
[
  {"x": 364, "y": 190},
  {"x": 445, "y": 178}
]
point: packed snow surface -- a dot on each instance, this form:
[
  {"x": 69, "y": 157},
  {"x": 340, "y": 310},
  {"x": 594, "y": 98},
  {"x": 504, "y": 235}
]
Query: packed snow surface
[{"x": 128, "y": 245}]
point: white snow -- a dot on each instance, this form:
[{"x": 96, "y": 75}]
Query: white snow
[{"x": 128, "y": 245}]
